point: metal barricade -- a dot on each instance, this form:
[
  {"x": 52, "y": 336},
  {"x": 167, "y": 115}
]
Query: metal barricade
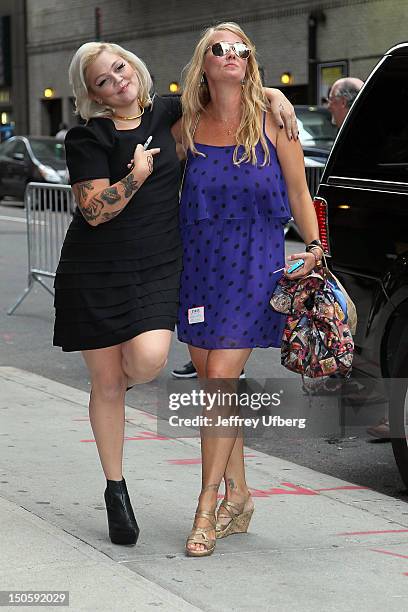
[{"x": 49, "y": 211}]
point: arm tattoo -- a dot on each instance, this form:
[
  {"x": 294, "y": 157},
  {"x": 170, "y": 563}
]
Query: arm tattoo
[
  {"x": 107, "y": 216},
  {"x": 83, "y": 189},
  {"x": 92, "y": 210},
  {"x": 110, "y": 195},
  {"x": 130, "y": 185}
]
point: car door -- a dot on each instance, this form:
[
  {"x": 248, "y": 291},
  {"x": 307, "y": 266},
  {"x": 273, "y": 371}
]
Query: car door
[
  {"x": 6, "y": 156},
  {"x": 19, "y": 169},
  {"x": 366, "y": 186}
]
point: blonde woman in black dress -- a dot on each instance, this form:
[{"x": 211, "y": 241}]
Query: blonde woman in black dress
[{"x": 117, "y": 283}]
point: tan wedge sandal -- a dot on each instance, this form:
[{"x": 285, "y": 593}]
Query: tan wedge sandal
[
  {"x": 239, "y": 519},
  {"x": 199, "y": 535}
]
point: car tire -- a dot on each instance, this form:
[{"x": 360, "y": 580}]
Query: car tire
[{"x": 398, "y": 411}]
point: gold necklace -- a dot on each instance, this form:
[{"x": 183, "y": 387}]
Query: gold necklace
[
  {"x": 124, "y": 118},
  {"x": 231, "y": 128}
]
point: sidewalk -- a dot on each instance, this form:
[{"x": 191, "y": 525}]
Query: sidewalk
[{"x": 315, "y": 543}]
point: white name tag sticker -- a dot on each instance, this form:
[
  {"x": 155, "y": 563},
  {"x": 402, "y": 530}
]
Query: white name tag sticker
[{"x": 196, "y": 315}]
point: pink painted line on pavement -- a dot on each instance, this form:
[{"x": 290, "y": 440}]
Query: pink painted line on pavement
[
  {"x": 87, "y": 419},
  {"x": 387, "y": 552},
  {"x": 345, "y": 488},
  {"x": 346, "y": 533},
  {"x": 293, "y": 490},
  {"x": 145, "y": 435}
]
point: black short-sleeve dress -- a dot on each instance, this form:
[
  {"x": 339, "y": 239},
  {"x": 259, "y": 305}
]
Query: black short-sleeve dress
[{"x": 121, "y": 278}]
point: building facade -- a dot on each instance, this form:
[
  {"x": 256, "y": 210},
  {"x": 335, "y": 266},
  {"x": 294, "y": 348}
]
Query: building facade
[
  {"x": 13, "y": 67},
  {"x": 308, "y": 43}
]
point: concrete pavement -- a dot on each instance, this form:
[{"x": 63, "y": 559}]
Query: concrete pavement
[{"x": 315, "y": 542}]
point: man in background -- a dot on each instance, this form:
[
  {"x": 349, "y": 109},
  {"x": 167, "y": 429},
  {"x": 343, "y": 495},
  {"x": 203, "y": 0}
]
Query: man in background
[{"x": 342, "y": 95}]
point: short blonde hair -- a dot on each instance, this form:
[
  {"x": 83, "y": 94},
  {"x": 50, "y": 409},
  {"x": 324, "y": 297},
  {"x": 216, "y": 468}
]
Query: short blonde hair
[
  {"x": 196, "y": 96},
  {"x": 84, "y": 57}
]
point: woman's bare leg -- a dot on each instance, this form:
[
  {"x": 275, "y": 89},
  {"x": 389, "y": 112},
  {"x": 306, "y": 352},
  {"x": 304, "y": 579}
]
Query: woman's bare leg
[
  {"x": 144, "y": 356},
  {"x": 236, "y": 488},
  {"x": 216, "y": 450},
  {"x": 139, "y": 360},
  {"x": 107, "y": 406},
  {"x": 234, "y": 476}
]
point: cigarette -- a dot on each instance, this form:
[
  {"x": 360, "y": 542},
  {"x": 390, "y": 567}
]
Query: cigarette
[
  {"x": 146, "y": 144},
  {"x": 148, "y": 141}
]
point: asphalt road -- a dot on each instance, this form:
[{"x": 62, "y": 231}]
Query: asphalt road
[{"x": 26, "y": 343}]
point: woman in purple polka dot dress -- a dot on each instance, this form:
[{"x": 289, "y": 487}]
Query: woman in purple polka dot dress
[
  {"x": 232, "y": 221},
  {"x": 240, "y": 176}
]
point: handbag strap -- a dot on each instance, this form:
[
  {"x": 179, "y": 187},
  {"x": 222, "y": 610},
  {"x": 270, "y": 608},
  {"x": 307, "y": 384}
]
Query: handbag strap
[
  {"x": 324, "y": 268},
  {"x": 185, "y": 165}
]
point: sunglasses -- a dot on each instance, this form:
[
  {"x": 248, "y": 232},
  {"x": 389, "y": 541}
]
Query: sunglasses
[{"x": 220, "y": 49}]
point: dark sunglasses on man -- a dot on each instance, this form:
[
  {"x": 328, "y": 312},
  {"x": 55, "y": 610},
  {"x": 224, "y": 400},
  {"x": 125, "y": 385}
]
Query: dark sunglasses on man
[{"x": 221, "y": 48}]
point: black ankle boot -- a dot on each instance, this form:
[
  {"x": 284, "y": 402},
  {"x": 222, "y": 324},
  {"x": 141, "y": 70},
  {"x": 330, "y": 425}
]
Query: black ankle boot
[{"x": 123, "y": 528}]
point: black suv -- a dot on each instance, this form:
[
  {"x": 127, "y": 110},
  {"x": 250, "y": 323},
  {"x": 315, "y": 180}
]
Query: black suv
[{"x": 365, "y": 185}]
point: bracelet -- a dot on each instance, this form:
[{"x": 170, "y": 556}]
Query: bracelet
[
  {"x": 318, "y": 259},
  {"x": 314, "y": 243}
]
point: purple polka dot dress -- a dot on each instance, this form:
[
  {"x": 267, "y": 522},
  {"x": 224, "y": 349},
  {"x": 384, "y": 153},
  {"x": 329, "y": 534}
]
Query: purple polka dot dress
[{"x": 232, "y": 220}]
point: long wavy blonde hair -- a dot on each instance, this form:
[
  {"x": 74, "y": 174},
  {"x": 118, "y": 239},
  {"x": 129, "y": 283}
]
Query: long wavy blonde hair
[
  {"x": 196, "y": 96},
  {"x": 87, "y": 53}
]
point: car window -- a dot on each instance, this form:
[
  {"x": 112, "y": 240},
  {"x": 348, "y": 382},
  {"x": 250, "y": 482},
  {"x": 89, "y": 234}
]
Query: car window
[
  {"x": 374, "y": 144},
  {"x": 315, "y": 126},
  {"x": 7, "y": 148},
  {"x": 20, "y": 148},
  {"x": 46, "y": 150}
]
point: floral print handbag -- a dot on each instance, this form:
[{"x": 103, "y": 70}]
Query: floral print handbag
[{"x": 317, "y": 339}]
